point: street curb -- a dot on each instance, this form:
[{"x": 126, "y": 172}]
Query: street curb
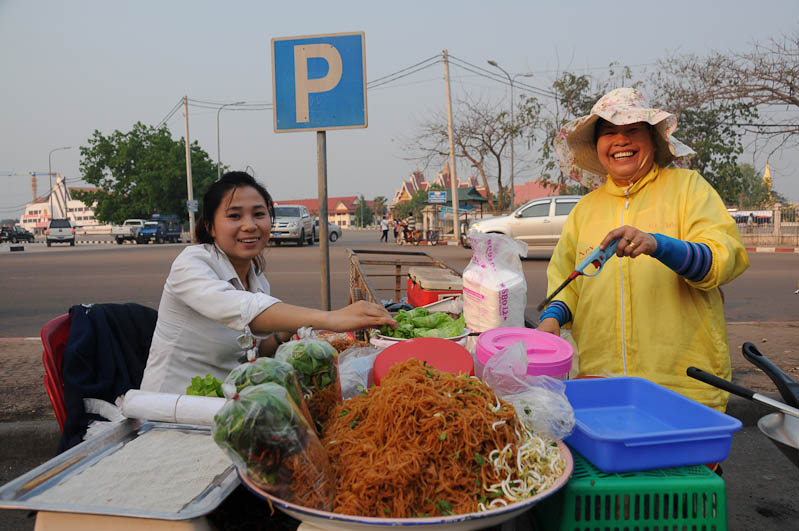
[{"x": 772, "y": 249}]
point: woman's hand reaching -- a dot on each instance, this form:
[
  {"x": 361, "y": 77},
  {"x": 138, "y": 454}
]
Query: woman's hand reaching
[
  {"x": 632, "y": 242},
  {"x": 359, "y": 315}
]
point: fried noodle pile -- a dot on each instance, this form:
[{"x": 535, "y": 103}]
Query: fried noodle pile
[{"x": 427, "y": 443}]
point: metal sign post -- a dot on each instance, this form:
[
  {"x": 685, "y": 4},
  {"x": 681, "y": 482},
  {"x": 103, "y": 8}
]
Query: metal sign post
[{"x": 319, "y": 84}]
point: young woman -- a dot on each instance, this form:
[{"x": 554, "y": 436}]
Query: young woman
[
  {"x": 216, "y": 303},
  {"x": 657, "y": 308}
]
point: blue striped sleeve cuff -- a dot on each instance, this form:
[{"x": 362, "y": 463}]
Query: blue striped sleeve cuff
[
  {"x": 559, "y": 311},
  {"x": 690, "y": 260}
]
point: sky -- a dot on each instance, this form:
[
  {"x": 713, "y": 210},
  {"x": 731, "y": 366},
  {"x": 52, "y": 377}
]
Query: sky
[{"x": 70, "y": 68}]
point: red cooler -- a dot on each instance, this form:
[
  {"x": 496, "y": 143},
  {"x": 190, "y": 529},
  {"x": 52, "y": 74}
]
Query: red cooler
[{"x": 427, "y": 285}]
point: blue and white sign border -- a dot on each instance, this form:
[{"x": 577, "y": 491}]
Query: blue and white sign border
[{"x": 324, "y": 128}]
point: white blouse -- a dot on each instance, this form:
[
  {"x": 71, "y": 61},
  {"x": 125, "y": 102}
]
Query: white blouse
[{"x": 204, "y": 309}]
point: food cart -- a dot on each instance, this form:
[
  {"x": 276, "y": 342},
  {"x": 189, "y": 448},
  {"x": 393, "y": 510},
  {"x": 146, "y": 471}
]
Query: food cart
[{"x": 373, "y": 272}]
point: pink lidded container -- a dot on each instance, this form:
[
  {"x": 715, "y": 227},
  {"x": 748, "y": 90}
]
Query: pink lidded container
[{"x": 548, "y": 354}]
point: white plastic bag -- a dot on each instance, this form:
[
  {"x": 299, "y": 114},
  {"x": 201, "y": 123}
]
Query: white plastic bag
[
  {"x": 540, "y": 401},
  {"x": 355, "y": 369},
  {"x": 494, "y": 288}
]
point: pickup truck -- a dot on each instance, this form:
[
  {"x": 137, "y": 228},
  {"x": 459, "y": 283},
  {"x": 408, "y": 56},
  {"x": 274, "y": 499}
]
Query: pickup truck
[
  {"x": 159, "y": 231},
  {"x": 15, "y": 234},
  {"x": 128, "y": 231}
]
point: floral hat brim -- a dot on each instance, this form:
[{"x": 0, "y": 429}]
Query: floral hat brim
[{"x": 576, "y": 148}]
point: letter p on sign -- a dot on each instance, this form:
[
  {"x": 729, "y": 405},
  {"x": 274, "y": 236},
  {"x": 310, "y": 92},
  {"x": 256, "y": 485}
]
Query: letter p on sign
[{"x": 319, "y": 82}]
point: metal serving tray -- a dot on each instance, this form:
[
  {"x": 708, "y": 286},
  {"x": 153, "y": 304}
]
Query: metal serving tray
[{"x": 16, "y": 493}]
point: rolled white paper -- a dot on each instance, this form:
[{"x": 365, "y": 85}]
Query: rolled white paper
[
  {"x": 168, "y": 407},
  {"x": 198, "y": 410},
  {"x": 147, "y": 405}
]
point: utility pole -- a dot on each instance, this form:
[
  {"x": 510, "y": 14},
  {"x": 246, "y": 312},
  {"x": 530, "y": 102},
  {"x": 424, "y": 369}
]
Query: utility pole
[
  {"x": 452, "y": 174},
  {"x": 188, "y": 169}
]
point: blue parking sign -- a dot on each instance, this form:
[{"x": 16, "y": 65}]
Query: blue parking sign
[{"x": 319, "y": 82}]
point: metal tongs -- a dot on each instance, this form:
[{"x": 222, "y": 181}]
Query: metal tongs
[{"x": 597, "y": 258}]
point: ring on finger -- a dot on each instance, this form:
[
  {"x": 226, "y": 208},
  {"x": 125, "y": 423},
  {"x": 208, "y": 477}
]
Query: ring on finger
[{"x": 631, "y": 244}]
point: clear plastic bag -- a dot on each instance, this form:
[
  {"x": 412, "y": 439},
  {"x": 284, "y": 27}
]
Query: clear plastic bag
[
  {"x": 316, "y": 363},
  {"x": 264, "y": 370},
  {"x": 540, "y": 401},
  {"x": 494, "y": 287},
  {"x": 268, "y": 438},
  {"x": 355, "y": 369},
  {"x": 313, "y": 359}
]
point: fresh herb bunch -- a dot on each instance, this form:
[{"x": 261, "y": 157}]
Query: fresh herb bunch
[
  {"x": 208, "y": 386},
  {"x": 314, "y": 361},
  {"x": 259, "y": 429},
  {"x": 264, "y": 370},
  {"x": 419, "y": 322}
]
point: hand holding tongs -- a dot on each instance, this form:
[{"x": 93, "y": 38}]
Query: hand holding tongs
[{"x": 597, "y": 258}]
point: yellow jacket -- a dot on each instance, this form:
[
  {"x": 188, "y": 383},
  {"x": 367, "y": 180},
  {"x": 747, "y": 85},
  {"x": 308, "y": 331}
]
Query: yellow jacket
[{"x": 637, "y": 317}]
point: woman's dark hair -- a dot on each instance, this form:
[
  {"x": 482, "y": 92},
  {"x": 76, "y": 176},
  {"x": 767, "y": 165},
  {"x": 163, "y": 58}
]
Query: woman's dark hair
[{"x": 213, "y": 198}]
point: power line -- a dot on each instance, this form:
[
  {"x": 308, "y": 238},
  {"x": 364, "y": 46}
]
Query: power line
[
  {"x": 378, "y": 80},
  {"x": 170, "y": 114}
]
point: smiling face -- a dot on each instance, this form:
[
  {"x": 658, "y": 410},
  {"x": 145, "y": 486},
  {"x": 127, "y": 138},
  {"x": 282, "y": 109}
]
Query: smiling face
[
  {"x": 241, "y": 226},
  {"x": 625, "y": 151}
]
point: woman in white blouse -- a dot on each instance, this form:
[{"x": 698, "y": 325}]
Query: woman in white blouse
[{"x": 216, "y": 303}]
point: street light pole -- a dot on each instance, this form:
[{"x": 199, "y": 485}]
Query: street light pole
[
  {"x": 50, "y": 174},
  {"x": 218, "y": 157},
  {"x": 513, "y": 125}
]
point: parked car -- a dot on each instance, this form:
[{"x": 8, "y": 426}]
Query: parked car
[
  {"x": 15, "y": 234},
  {"x": 128, "y": 231},
  {"x": 333, "y": 231},
  {"x": 59, "y": 231},
  {"x": 159, "y": 231},
  {"x": 538, "y": 222},
  {"x": 292, "y": 223}
]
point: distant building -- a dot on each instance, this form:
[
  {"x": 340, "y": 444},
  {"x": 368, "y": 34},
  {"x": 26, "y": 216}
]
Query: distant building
[
  {"x": 340, "y": 210},
  {"x": 58, "y": 204},
  {"x": 531, "y": 190}
]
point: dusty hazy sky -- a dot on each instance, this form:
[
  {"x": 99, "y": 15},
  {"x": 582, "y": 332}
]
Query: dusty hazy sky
[{"x": 69, "y": 68}]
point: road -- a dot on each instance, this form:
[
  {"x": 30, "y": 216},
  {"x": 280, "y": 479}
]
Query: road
[{"x": 42, "y": 282}]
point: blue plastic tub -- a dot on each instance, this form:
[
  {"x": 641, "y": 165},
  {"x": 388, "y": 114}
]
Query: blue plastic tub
[{"x": 630, "y": 424}]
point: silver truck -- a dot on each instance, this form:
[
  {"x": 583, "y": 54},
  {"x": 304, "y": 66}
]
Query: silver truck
[
  {"x": 292, "y": 223},
  {"x": 128, "y": 231}
]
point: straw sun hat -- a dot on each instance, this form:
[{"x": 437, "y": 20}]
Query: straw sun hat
[{"x": 575, "y": 144}]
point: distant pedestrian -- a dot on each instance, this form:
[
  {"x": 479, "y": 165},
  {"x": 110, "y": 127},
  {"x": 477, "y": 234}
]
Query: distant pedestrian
[
  {"x": 395, "y": 225},
  {"x": 384, "y": 228},
  {"x": 410, "y": 226}
]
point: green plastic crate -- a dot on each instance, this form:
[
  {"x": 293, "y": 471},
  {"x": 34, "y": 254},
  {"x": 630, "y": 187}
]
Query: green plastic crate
[{"x": 688, "y": 498}]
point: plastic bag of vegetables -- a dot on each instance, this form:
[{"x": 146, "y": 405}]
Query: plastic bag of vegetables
[
  {"x": 313, "y": 359},
  {"x": 266, "y": 435},
  {"x": 316, "y": 364},
  {"x": 264, "y": 370}
]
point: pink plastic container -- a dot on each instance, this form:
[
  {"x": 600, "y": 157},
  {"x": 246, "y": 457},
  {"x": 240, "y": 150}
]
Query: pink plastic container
[{"x": 548, "y": 354}]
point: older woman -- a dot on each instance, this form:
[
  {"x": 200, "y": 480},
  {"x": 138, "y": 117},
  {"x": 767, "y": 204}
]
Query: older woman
[{"x": 657, "y": 309}]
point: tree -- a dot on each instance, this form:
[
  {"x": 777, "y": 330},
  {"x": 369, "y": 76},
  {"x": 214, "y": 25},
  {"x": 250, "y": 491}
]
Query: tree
[
  {"x": 764, "y": 77},
  {"x": 379, "y": 204},
  {"x": 481, "y": 133},
  {"x": 141, "y": 172},
  {"x": 753, "y": 193},
  {"x": 416, "y": 203},
  {"x": 363, "y": 214}
]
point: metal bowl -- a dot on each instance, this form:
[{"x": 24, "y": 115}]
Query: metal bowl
[{"x": 458, "y": 522}]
